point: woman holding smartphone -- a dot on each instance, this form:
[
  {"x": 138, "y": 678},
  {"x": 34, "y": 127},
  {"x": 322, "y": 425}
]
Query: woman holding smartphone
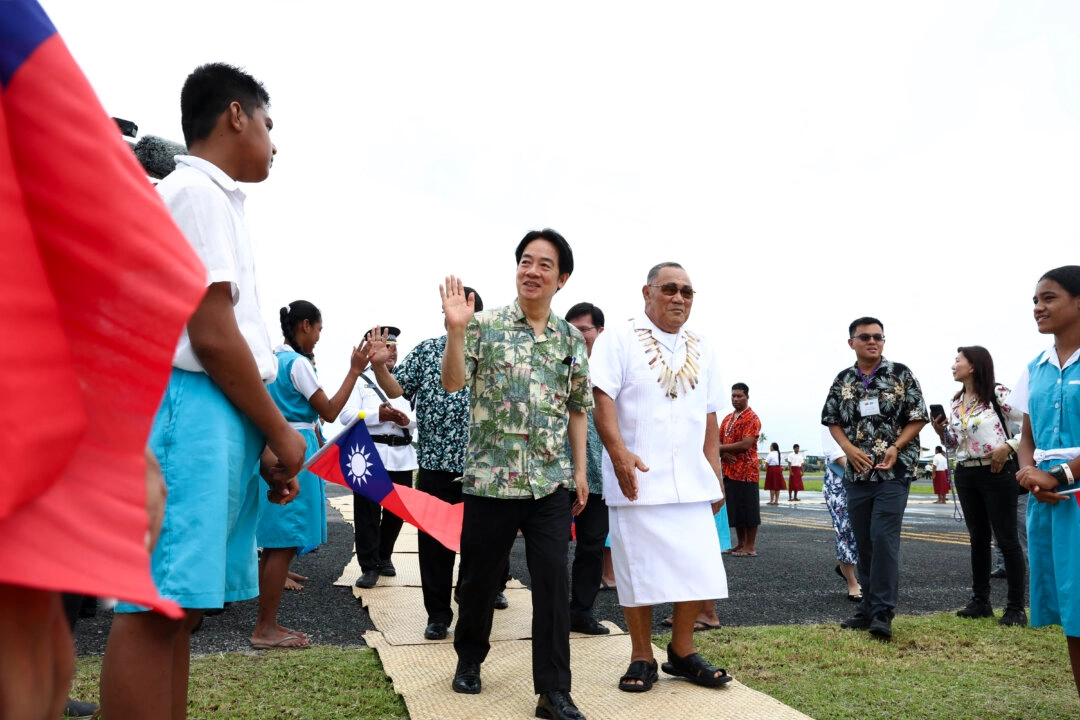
[{"x": 977, "y": 428}]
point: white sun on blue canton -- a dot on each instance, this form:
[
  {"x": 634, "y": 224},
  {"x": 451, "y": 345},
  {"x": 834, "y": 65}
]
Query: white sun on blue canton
[{"x": 359, "y": 465}]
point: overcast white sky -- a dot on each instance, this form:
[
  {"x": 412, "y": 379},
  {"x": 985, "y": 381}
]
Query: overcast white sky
[{"x": 807, "y": 163}]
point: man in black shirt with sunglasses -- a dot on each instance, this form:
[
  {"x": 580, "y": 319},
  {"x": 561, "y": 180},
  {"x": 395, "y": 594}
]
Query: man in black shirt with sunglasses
[{"x": 875, "y": 411}]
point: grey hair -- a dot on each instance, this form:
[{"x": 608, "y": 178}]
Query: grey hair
[{"x": 655, "y": 272}]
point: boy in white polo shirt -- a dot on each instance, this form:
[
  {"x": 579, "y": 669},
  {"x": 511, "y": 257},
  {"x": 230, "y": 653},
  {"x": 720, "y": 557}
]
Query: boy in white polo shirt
[{"x": 217, "y": 425}]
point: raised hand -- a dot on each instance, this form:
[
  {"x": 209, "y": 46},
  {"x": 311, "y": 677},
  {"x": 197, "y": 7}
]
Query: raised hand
[
  {"x": 457, "y": 308},
  {"x": 378, "y": 350},
  {"x": 359, "y": 359}
]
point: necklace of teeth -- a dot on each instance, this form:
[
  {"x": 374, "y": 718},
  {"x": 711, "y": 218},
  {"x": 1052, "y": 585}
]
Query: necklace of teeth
[{"x": 671, "y": 381}]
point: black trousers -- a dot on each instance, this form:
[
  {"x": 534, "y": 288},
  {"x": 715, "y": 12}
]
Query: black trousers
[
  {"x": 436, "y": 561},
  {"x": 376, "y": 530},
  {"x": 876, "y": 511},
  {"x": 989, "y": 503},
  {"x": 487, "y": 535},
  {"x": 591, "y": 528}
]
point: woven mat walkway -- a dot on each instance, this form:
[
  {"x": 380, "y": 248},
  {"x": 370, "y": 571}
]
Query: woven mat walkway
[{"x": 421, "y": 669}]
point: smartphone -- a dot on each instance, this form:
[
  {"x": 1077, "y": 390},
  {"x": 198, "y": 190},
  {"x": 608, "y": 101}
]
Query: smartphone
[{"x": 936, "y": 411}]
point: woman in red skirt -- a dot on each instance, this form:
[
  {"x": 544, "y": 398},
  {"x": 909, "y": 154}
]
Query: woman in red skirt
[
  {"x": 774, "y": 475},
  {"x": 795, "y": 462},
  {"x": 941, "y": 475}
]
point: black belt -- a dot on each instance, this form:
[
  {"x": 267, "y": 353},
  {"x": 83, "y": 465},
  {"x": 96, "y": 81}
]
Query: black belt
[{"x": 393, "y": 440}]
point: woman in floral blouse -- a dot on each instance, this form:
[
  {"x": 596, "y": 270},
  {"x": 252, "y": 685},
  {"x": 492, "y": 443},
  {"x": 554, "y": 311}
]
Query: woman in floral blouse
[{"x": 977, "y": 429}]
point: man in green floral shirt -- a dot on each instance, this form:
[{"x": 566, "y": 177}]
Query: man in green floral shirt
[
  {"x": 875, "y": 411},
  {"x": 527, "y": 371}
]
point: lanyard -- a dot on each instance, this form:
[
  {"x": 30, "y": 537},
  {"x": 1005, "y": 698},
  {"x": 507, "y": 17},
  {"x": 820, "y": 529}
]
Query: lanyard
[
  {"x": 971, "y": 410},
  {"x": 867, "y": 378}
]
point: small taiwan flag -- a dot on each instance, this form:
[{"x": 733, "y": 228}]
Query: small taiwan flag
[{"x": 351, "y": 460}]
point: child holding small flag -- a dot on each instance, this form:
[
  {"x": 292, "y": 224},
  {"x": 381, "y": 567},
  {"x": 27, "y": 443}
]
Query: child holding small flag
[
  {"x": 282, "y": 529},
  {"x": 1048, "y": 393}
]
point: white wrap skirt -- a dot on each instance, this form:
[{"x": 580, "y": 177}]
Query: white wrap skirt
[{"x": 666, "y": 553}]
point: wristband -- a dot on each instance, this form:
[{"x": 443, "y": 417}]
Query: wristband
[{"x": 1066, "y": 472}]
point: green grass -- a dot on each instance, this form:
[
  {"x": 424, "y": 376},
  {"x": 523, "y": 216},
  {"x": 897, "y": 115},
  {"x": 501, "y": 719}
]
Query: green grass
[{"x": 937, "y": 666}]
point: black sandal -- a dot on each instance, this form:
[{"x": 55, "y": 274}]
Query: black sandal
[
  {"x": 696, "y": 669},
  {"x": 639, "y": 670}
]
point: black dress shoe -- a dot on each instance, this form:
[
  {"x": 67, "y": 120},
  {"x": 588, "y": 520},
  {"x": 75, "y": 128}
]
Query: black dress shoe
[
  {"x": 857, "y": 622},
  {"x": 467, "y": 678},
  {"x": 435, "y": 631},
  {"x": 387, "y": 569},
  {"x": 368, "y": 579},
  {"x": 501, "y": 603},
  {"x": 557, "y": 705},
  {"x": 881, "y": 626},
  {"x": 587, "y": 624}
]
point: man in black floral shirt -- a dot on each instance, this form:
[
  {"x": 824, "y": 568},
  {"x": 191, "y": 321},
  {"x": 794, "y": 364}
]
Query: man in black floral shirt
[{"x": 875, "y": 411}]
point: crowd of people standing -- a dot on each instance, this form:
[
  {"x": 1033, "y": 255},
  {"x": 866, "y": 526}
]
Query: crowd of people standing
[{"x": 239, "y": 418}]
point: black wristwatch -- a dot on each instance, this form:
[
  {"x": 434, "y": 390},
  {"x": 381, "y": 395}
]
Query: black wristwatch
[{"x": 1059, "y": 473}]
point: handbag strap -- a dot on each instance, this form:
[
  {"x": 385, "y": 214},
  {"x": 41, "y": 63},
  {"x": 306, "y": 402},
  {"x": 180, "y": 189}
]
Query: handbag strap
[{"x": 1001, "y": 416}]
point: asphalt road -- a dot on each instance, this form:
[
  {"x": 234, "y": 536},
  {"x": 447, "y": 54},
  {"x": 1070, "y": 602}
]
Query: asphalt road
[{"x": 792, "y": 580}]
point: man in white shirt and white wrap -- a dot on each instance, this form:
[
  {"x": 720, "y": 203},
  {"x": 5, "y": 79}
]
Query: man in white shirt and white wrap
[{"x": 657, "y": 390}]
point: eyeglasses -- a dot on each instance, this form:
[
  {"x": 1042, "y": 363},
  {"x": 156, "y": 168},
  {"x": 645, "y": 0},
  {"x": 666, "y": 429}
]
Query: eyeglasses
[
  {"x": 867, "y": 337},
  {"x": 670, "y": 289}
]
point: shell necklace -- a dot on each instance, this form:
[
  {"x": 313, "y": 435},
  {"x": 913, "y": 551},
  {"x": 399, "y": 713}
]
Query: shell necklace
[{"x": 670, "y": 380}]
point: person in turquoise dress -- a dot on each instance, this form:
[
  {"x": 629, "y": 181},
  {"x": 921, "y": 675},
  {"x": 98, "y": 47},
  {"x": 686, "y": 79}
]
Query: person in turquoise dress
[
  {"x": 1048, "y": 394},
  {"x": 282, "y": 530}
]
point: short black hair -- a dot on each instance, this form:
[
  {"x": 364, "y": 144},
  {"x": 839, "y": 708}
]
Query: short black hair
[
  {"x": 742, "y": 386},
  {"x": 654, "y": 271},
  {"x": 586, "y": 308},
  {"x": 1067, "y": 276},
  {"x": 207, "y": 93},
  {"x": 566, "y": 255},
  {"x": 478, "y": 303},
  {"x": 863, "y": 321}
]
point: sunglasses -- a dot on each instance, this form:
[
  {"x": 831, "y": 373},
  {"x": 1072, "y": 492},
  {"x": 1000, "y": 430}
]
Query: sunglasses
[
  {"x": 867, "y": 337},
  {"x": 670, "y": 289}
]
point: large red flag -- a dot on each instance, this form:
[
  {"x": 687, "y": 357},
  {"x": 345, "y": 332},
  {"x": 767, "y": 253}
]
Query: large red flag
[
  {"x": 350, "y": 459},
  {"x": 97, "y": 283}
]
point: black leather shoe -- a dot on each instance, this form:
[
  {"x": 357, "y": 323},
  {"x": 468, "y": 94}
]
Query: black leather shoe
[
  {"x": 387, "y": 569},
  {"x": 881, "y": 626},
  {"x": 467, "y": 678},
  {"x": 857, "y": 622},
  {"x": 557, "y": 705},
  {"x": 587, "y": 624},
  {"x": 501, "y": 603},
  {"x": 368, "y": 579},
  {"x": 79, "y": 710},
  {"x": 435, "y": 631},
  {"x": 976, "y": 609}
]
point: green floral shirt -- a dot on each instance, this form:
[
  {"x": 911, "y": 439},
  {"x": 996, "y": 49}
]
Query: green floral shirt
[{"x": 522, "y": 389}]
